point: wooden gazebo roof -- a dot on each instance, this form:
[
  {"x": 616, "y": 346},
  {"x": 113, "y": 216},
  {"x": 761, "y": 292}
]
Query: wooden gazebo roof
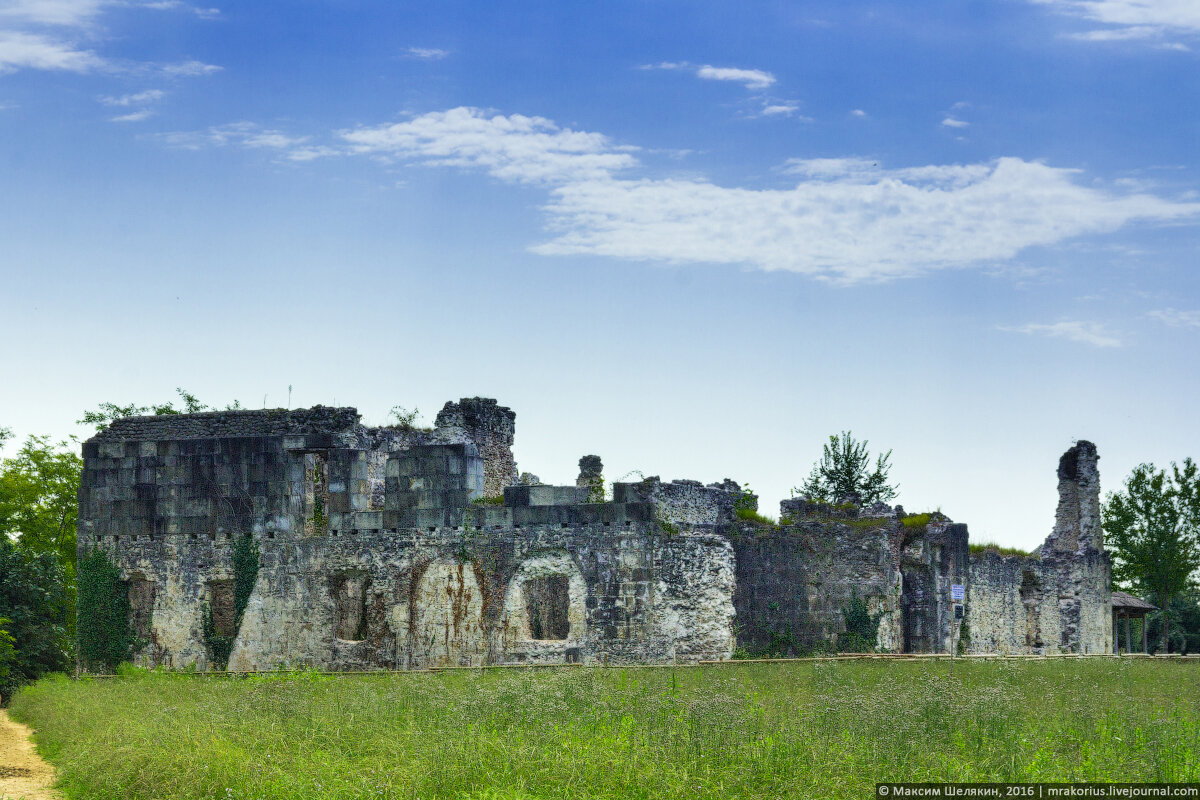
[{"x": 1133, "y": 606}]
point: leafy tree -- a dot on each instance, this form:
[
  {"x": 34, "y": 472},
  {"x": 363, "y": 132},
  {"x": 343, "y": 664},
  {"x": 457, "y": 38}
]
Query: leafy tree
[
  {"x": 1152, "y": 528},
  {"x": 34, "y": 601},
  {"x": 844, "y": 473},
  {"x": 39, "y": 489},
  {"x": 104, "y": 415}
]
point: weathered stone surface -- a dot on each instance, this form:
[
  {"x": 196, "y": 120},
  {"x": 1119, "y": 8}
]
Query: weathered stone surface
[{"x": 389, "y": 548}]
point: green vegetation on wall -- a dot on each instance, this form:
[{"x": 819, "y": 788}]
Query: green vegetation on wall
[
  {"x": 862, "y": 627},
  {"x": 103, "y": 625},
  {"x": 245, "y": 574}
]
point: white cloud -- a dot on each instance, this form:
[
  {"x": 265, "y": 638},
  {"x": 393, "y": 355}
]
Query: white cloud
[
  {"x": 858, "y": 112},
  {"x": 178, "y": 5},
  {"x": 140, "y": 98},
  {"x": 243, "y": 134},
  {"x": 428, "y": 53},
  {"x": 1073, "y": 330},
  {"x": 68, "y": 13},
  {"x": 32, "y": 51},
  {"x": 847, "y": 219},
  {"x": 1133, "y": 19},
  {"x": 516, "y": 147},
  {"x": 188, "y": 69},
  {"x": 136, "y": 116},
  {"x": 783, "y": 110},
  {"x": 750, "y": 78},
  {"x": 951, "y": 122},
  {"x": 1176, "y": 318},
  {"x": 847, "y": 227}
]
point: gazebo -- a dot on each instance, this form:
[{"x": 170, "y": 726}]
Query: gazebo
[{"x": 1126, "y": 606}]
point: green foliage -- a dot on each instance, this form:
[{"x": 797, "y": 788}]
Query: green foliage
[
  {"x": 496, "y": 500},
  {"x": 245, "y": 574},
  {"x": 35, "y": 604},
  {"x": 406, "y": 420},
  {"x": 668, "y": 528},
  {"x": 39, "y": 497},
  {"x": 823, "y": 729},
  {"x": 844, "y": 472},
  {"x": 862, "y": 627},
  {"x": 8, "y": 653},
  {"x": 105, "y": 639},
  {"x": 750, "y": 515},
  {"x": 104, "y": 415},
  {"x": 916, "y": 521},
  {"x": 1152, "y": 529},
  {"x": 992, "y": 547}
]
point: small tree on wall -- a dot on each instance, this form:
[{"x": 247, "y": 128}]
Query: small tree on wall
[{"x": 844, "y": 473}]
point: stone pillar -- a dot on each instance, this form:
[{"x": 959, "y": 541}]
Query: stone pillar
[
  {"x": 591, "y": 477},
  {"x": 1077, "y": 521},
  {"x": 491, "y": 427}
]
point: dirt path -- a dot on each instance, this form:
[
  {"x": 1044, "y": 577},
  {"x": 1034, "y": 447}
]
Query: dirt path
[{"x": 23, "y": 773}]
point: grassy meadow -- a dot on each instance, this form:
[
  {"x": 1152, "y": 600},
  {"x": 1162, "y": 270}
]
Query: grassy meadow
[{"x": 788, "y": 729}]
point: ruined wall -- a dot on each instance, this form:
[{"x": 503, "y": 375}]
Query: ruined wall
[
  {"x": 1058, "y": 600},
  {"x": 795, "y": 582},
  {"x": 372, "y": 555},
  {"x": 491, "y": 427}
]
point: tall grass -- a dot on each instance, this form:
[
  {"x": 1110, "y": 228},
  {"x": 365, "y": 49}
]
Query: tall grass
[{"x": 753, "y": 730}]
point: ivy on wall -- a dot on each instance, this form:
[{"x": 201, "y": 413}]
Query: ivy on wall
[
  {"x": 103, "y": 621},
  {"x": 245, "y": 573}
]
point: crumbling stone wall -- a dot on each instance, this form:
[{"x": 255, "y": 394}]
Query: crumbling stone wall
[
  {"x": 1059, "y": 599},
  {"x": 491, "y": 427},
  {"x": 373, "y": 555},
  {"x": 795, "y": 583},
  {"x": 397, "y": 547}
]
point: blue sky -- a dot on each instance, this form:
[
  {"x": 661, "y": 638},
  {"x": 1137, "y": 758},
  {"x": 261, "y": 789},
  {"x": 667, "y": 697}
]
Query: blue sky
[{"x": 694, "y": 238}]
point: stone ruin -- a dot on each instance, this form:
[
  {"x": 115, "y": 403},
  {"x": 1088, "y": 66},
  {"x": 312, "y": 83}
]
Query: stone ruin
[{"x": 401, "y": 548}]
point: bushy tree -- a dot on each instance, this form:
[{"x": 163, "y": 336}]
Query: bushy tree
[
  {"x": 39, "y": 489},
  {"x": 34, "y": 601},
  {"x": 1152, "y": 529},
  {"x": 104, "y": 415},
  {"x": 844, "y": 473}
]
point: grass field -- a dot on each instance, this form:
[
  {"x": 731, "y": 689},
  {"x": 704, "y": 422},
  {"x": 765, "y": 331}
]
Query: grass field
[{"x": 807, "y": 729}]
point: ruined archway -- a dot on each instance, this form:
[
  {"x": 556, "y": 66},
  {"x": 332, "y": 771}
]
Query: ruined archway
[{"x": 545, "y": 609}]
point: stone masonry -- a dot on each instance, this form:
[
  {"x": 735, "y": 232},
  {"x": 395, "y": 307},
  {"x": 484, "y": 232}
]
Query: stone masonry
[{"x": 406, "y": 548}]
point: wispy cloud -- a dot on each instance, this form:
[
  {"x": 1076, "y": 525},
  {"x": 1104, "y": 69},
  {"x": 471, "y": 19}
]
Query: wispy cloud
[
  {"x": 1090, "y": 333},
  {"x": 951, "y": 122},
  {"x": 140, "y": 98},
  {"x": 1148, "y": 20},
  {"x": 188, "y": 69},
  {"x": 242, "y": 134},
  {"x": 750, "y": 78},
  {"x": 783, "y": 109},
  {"x": 428, "y": 53},
  {"x": 136, "y": 116},
  {"x": 177, "y": 5},
  {"x": 516, "y": 147},
  {"x": 847, "y": 219},
  {"x": 1176, "y": 318},
  {"x": 858, "y": 112},
  {"x": 33, "y": 51},
  {"x": 67, "y": 13}
]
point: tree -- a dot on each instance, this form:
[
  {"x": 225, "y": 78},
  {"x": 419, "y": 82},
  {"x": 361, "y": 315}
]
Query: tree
[
  {"x": 34, "y": 600},
  {"x": 1152, "y": 528},
  {"x": 39, "y": 489},
  {"x": 103, "y": 416},
  {"x": 844, "y": 474}
]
